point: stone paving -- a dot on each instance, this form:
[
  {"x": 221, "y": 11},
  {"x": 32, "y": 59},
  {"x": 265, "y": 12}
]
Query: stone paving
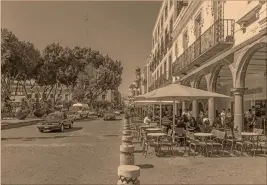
[{"x": 89, "y": 154}]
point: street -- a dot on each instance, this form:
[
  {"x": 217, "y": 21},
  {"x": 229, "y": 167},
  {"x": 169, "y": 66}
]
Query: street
[{"x": 88, "y": 153}]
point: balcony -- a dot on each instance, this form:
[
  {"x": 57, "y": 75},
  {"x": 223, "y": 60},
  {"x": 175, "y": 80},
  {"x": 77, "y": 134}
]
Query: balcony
[{"x": 216, "y": 39}]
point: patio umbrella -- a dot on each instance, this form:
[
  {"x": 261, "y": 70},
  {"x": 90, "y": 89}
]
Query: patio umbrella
[
  {"x": 147, "y": 102},
  {"x": 177, "y": 92}
]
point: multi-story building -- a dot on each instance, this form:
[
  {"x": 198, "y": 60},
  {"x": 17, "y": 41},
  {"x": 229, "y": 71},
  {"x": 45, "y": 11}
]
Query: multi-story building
[
  {"x": 213, "y": 45},
  {"x": 32, "y": 92}
]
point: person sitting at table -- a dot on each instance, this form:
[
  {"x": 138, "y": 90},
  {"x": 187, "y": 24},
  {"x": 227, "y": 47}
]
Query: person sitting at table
[
  {"x": 217, "y": 122},
  {"x": 193, "y": 122},
  {"x": 147, "y": 119},
  {"x": 180, "y": 124}
]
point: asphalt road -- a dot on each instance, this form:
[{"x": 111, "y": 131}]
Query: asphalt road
[{"x": 86, "y": 154}]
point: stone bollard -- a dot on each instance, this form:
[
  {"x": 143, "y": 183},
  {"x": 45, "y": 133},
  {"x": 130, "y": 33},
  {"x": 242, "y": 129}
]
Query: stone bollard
[
  {"x": 127, "y": 140},
  {"x": 127, "y": 133},
  {"x": 126, "y": 154},
  {"x": 128, "y": 174}
]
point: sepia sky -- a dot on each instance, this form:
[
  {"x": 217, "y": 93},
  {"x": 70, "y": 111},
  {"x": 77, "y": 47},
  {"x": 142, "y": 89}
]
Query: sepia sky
[{"x": 123, "y": 30}]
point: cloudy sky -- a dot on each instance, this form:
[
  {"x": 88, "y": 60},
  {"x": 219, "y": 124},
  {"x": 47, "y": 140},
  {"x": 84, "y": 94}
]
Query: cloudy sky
[{"x": 123, "y": 30}]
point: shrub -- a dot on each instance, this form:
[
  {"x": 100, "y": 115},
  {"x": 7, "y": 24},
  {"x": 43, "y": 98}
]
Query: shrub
[{"x": 21, "y": 114}]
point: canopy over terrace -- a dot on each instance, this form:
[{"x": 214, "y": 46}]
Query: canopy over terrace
[{"x": 177, "y": 92}]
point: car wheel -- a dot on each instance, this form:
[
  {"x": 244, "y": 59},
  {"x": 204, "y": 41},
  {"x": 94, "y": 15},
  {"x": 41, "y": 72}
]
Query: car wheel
[
  {"x": 62, "y": 128},
  {"x": 40, "y": 130}
]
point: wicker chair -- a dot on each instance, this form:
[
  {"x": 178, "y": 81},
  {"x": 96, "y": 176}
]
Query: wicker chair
[
  {"x": 219, "y": 141},
  {"x": 168, "y": 141}
]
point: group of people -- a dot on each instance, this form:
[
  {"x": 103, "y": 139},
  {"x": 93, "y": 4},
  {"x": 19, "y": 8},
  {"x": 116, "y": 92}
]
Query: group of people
[{"x": 223, "y": 119}]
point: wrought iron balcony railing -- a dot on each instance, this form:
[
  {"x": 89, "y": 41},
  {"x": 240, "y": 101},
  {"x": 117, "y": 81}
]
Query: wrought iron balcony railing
[{"x": 215, "y": 39}]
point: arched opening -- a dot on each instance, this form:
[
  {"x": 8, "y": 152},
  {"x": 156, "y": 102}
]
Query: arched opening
[
  {"x": 254, "y": 78},
  {"x": 201, "y": 83},
  {"x": 223, "y": 83}
]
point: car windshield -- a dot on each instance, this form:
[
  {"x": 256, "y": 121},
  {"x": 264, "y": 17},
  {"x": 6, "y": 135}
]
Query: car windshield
[{"x": 54, "y": 116}]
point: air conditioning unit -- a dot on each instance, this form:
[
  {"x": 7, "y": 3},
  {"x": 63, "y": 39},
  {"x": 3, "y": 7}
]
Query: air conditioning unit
[{"x": 243, "y": 26}]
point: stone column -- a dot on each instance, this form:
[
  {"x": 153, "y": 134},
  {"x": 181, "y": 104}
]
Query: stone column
[
  {"x": 195, "y": 110},
  {"x": 128, "y": 174},
  {"x": 211, "y": 108},
  {"x": 239, "y": 108},
  {"x": 183, "y": 106}
]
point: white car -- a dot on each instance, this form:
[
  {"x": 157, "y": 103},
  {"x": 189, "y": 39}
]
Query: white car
[{"x": 117, "y": 112}]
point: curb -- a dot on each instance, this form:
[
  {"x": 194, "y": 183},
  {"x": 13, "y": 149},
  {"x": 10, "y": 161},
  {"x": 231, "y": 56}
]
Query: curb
[{"x": 6, "y": 126}]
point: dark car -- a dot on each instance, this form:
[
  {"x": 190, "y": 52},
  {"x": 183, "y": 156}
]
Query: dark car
[
  {"x": 109, "y": 116},
  {"x": 100, "y": 114},
  {"x": 55, "y": 121}
]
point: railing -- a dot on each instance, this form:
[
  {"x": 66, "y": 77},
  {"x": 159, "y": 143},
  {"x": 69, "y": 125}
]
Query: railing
[{"x": 221, "y": 31}]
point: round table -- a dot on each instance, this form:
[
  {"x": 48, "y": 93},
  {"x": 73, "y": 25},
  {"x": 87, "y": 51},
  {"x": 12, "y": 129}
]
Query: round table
[
  {"x": 200, "y": 134},
  {"x": 148, "y": 126},
  {"x": 249, "y": 134},
  {"x": 156, "y": 134},
  {"x": 153, "y": 129}
]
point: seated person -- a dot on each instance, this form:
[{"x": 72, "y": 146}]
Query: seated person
[
  {"x": 180, "y": 124},
  {"x": 193, "y": 122},
  {"x": 147, "y": 119}
]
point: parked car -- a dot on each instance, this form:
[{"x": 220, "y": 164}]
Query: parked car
[
  {"x": 55, "y": 121},
  {"x": 73, "y": 115},
  {"x": 117, "y": 112},
  {"x": 100, "y": 114},
  {"x": 84, "y": 113},
  {"x": 92, "y": 113},
  {"x": 109, "y": 116}
]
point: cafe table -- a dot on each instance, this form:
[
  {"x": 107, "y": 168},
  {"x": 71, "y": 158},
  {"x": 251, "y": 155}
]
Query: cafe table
[
  {"x": 153, "y": 130},
  {"x": 249, "y": 136},
  {"x": 205, "y": 137}
]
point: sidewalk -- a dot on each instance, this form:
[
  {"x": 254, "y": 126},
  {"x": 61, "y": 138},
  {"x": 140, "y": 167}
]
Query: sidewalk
[{"x": 15, "y": 123}]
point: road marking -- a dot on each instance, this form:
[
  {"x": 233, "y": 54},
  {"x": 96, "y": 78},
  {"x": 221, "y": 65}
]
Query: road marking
[{"x": 49, "y": 145}]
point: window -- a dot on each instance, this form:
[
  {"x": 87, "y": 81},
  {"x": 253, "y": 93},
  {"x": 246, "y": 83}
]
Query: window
[
  {"x": 170, "y": 65},
  {"x": 176, "y": 49},
  {"x": 165, "y": 67},
  {"x": 66, "y": 97},
  {"x": 171, "y": 3},
  {"x": 160, "y": 70},
  {"x": 185, "y": 40},
  {"x": 198, "y": 26},
  {"x": 103, "y": 96}
]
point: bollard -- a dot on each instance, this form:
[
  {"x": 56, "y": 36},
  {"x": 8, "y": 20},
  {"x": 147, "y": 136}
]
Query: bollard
[
  {"x": 128, "y": 174},
  {"x": 127, "y": 133},
  {"x": 127, "y": 140},
  {"x": 126, "y": 154}
]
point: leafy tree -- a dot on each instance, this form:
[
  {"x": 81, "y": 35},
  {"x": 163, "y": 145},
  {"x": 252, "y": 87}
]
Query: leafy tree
[
  {"x": 94, "y": 80},
  {"x": 61, "y": 66},
  {"x": 20, "y": 60}
]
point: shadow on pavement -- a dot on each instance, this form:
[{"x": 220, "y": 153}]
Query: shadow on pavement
[
  {"x": 34, "y": 138},
  {"x": 73, "y": 129},
  {"x": 145, "y": 166},
  {"x": 86, "y": 119}
]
